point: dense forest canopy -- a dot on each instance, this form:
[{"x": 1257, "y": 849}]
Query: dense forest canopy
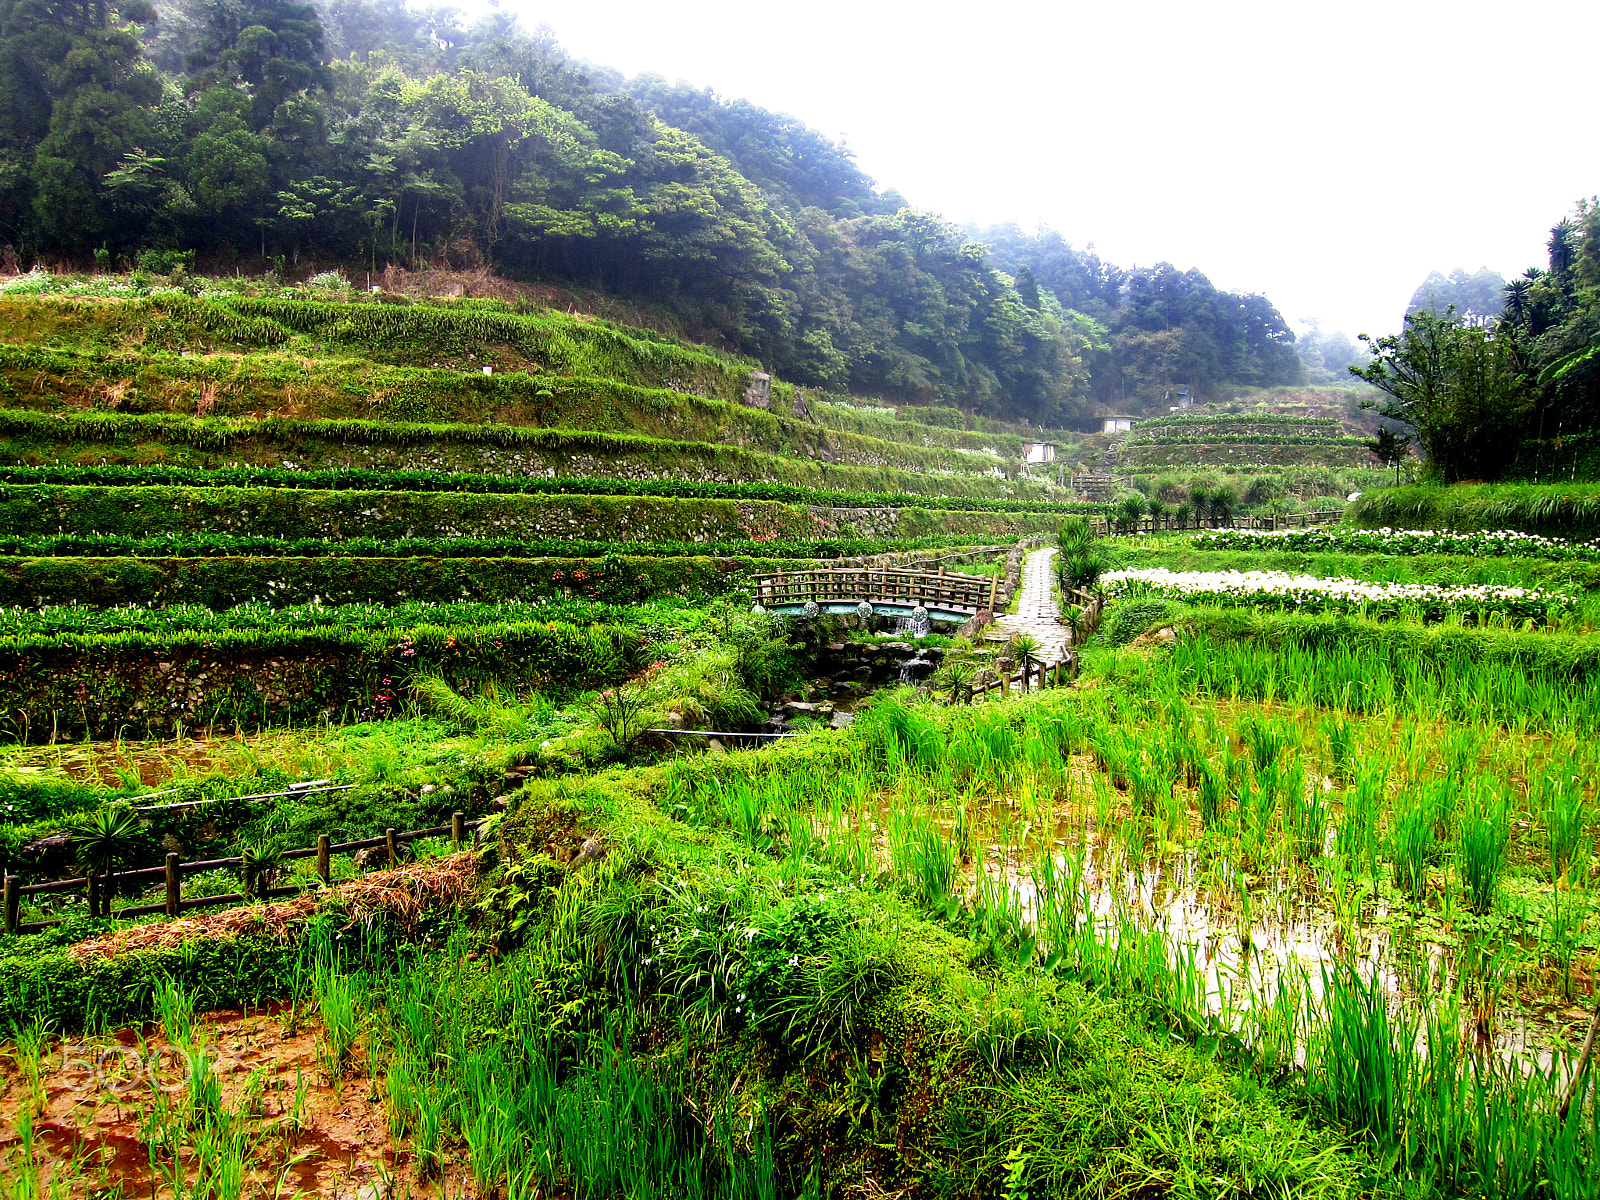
[{"x": 263, "y": 133}]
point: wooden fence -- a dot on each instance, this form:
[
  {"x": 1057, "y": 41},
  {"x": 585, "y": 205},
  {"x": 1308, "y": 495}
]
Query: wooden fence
[
  {"x": 1108, "y": 526},
  {"x": 932, "y": 589},
  {"x": 174, "y": 870}
]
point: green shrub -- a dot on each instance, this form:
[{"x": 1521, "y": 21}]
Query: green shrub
[
  {"x": 1555, "y": 509},
  {"x": 1127, "y": 619}
]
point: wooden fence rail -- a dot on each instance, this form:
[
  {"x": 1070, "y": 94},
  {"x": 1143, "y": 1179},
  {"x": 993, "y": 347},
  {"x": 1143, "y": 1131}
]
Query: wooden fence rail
[
  {"x": 174, "y": 870},
  {"x": 1109, "y": 526}
]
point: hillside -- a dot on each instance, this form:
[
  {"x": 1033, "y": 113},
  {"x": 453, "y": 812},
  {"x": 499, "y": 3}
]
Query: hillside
[{"x": 379, "y": 139}]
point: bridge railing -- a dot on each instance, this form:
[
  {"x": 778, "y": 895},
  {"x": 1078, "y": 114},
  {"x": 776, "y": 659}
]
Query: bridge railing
[{"x": 946, "y": 590}]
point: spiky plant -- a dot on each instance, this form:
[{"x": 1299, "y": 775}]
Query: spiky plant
[
  {"x": 1027, "y": 653},
  {"x": 105, "y": 839}
]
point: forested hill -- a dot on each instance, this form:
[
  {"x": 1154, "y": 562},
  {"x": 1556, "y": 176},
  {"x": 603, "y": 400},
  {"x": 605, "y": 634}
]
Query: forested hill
[{"x": 262, "y": 132}]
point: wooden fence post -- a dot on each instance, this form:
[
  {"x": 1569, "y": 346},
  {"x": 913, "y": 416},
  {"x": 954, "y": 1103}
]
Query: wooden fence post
[
  {"x": 456, "y": 821},
  {"x": 392, "y": 846},
  {"x": 94, "y": 893},
  {"x": 324, "y": 848},
  {"x": 994, "y": 584},
  {"x": 11, "y": 898},
  {"x": 173, "y": 892}
]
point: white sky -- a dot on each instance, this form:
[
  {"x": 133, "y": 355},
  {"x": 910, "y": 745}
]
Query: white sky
[{"x": 1328, "y": 155}]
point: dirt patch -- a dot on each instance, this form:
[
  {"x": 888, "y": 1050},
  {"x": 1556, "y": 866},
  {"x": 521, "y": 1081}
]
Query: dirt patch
[{"x": 113, "y": 1116}]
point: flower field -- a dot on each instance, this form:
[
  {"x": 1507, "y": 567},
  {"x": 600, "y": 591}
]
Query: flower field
[
  {"x": 1498, "y": 543},
  {"x": 1309, "y": 593}
]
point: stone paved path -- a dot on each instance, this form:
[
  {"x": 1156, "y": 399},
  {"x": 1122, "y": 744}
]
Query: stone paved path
[{"x": 1036, "y": 612}]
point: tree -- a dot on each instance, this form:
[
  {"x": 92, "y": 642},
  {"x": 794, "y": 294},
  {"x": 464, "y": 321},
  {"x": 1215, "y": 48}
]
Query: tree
[
  {"x": 1391, "y": 449},
  {"x": 1477, "y": 297},
  {"x": 273, "y": 46},
  {"x": 1461, "y": 389}
]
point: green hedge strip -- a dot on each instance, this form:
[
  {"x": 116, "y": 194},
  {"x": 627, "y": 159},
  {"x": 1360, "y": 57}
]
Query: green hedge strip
[
  {"x": 224, "y": 582},
  {"x": 442, "y": 481},
  {"x": 145, "y": 684},
  {"x": 226, "y": 545},
  {"x": 38, "y": 509}
]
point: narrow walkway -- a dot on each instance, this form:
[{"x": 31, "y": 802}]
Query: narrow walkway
[{"x": 1037, "y": 611}]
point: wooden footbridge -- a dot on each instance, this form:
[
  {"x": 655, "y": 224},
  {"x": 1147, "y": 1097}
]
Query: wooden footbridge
[{"x": 890, "y": 592}]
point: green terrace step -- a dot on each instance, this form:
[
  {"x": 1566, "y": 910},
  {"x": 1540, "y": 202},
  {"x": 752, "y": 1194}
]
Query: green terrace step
[
  {"x": 463, "y": 335},
  {"x": 139, "y": 379},
  {"x": 220, "y": 583},
  {"x": 496, "y": 449},
  {"x": 115, "y": 475},
  {"x": 1204, "y": 429},
  {"x": 52, "y": 509},
  {"x": 1245, "y": 452},
  {"x": 228, "y": 674}
]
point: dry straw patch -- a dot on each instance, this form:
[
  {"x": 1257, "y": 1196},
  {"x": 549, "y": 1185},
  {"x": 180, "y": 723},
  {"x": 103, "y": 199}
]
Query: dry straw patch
[{"x": 405, "y": 893}]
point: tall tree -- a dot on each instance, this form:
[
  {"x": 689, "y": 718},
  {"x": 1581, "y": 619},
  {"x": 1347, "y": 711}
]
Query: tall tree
[
  {"x": 273, "y": 46},
  {"x": 1461, "y": 388},
  {"x": 75, "y": 97}
]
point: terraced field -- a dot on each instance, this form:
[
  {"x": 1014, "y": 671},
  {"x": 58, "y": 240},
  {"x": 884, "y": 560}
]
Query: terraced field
[
  {"x": 402, "y": 794},
  {"x": 225, "y": 450}
]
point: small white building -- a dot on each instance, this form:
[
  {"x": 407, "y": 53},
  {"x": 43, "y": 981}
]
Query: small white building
[
  {"x": 1038, "y": 452},
  {"x": 1117, "y": 425}
]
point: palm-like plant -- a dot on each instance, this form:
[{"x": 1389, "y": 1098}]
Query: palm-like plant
[
  {"x": 105, "y": 838},
  {"x": 261, "y": 866},
  {"x": 1025, "y": 651},
  {"x": 955, "y": 680},
  {"x": 1517, "y": 300},
  {"x": 1223, "y": 500}
]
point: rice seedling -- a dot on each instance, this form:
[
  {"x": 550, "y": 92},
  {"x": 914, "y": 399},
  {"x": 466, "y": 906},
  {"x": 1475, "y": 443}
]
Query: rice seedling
[
  {"x": 27, "y": 1051},
  {"x": 337, "y": 1004},
  {"x": 1411, "y": 842},
  {"x": 1566, "y": 821},
  {"x": 1308, "y": 817},
  {"x": 1356, "y": 837},
  {"x": 1481, "y": 854}
]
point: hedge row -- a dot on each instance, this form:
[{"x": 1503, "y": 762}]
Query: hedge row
[
  {"x": 297, "y": 513},
  {"x": 1554, "y": 509},
  {"x": 220, "y": 583},
  {"x": 1199, "y": 438},
  {"x": 120, "y": 475},
  {"x": 150, "y": 685},
  {"x": 139, "y": 380},
  {"x": 227, "y": 545},
  {"x": 41, "y": 980},
  {"x": 1235, "y": 425}
]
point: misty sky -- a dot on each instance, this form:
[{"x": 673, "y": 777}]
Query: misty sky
[{"x": 1328, "y": 155}]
